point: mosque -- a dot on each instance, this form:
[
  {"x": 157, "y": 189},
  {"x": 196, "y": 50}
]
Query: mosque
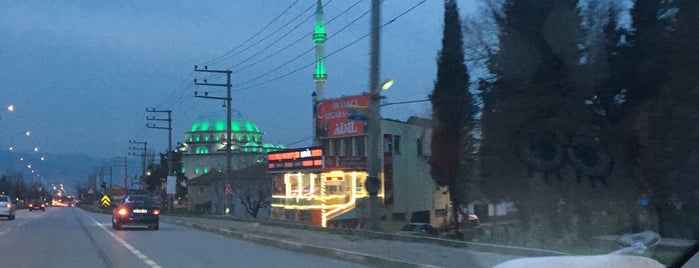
[{"x": 204, "y": 158}]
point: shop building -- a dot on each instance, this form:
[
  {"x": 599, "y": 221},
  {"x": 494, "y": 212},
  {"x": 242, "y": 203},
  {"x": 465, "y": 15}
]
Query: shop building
[{"x": 324, "y": 185}]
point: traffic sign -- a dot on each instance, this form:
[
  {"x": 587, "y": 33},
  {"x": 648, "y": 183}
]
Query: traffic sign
[
  {"x": 105, "y": 201},
  {"x": 90, "y": 191}
]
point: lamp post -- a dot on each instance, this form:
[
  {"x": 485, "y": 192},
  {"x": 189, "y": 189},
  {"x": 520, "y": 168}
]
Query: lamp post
[{"x": 373, "y": 184}]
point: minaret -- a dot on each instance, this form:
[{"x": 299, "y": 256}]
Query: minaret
[{"x": 319, "y": 38}]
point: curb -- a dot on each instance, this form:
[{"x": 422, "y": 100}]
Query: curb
[{"x": 339, "y": 254}]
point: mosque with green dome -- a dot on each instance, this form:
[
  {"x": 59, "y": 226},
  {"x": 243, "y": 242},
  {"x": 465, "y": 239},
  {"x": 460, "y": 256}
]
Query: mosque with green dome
[{"x": 204, "y": 149}]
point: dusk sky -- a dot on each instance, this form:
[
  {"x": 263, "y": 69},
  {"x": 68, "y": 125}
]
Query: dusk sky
[{"x": 81, "y": 74}]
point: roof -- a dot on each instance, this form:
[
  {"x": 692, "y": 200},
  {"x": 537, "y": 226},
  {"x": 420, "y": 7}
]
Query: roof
[
  {"x": 251, "y": 172},
  {"x": 238, "y": 125}
]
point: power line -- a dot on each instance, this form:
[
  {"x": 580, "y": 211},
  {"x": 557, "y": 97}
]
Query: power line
[
  {"x": 403, "y": 102},
  {"x": 299, "y": 141},
  {"x": 227, "y": 53},
  {"x": 301, "y": 55},
  {"x": 297, "y": 40},
  {"x": 280, "y": 38},
  {"x": 272, "y": 34},
  {"x": 329, "y": 55}
]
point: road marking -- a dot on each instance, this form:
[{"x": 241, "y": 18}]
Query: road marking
[{"x": 128, "y": 246}]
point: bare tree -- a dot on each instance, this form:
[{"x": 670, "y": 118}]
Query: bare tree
[{"x": 253, "y": 187}]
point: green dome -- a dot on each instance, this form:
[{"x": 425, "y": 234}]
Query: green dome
[{"x": 219, "y": 125}]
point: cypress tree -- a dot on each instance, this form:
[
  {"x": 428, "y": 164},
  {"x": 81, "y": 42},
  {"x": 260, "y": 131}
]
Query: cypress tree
[{"x": 452, "y": 109}]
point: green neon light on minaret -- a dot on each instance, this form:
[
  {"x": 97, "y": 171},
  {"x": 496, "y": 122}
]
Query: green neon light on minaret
[{"x": 319, "y": 38}]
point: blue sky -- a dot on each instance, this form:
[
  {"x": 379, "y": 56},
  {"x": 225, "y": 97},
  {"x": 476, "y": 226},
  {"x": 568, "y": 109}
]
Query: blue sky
[{"x": 81, "y": 73}]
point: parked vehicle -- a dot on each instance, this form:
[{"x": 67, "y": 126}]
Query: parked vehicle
[{"x": 7, "y": 207}]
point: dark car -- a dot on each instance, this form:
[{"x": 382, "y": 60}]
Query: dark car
[
  {"x": 136, "y": 210},
  {"x": 417, "y": 228},
  {"x": 37, "y": 205}
]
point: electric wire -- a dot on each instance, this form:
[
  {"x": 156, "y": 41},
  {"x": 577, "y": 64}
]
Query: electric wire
[
  {"x": 327, "y": 56},
  {"x": 256, "y": 44},
  {"x": 296, "y": 41},
  {"x": 278, "y": 39},
  {"x": 299, "y": 141},
  {"x": 303, "y": 54},
  {"x": 227, "y": 53},
  {"x": 227, "y": 57}
]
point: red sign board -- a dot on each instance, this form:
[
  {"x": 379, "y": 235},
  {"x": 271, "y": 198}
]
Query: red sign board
[{"x": 333, "y": 117}]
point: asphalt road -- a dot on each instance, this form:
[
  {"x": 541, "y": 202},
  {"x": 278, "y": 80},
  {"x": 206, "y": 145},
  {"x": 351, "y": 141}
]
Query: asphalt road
[{"x": 71, "y": 237}]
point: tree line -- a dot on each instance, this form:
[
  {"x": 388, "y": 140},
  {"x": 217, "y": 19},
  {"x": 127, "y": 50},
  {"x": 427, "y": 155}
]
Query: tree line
[
  {"x": 586, "y": 118},
  {"x": 15, "y": 186}
]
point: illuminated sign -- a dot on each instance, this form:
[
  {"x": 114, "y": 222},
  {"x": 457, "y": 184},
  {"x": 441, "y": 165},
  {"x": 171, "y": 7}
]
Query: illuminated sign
[
  {"x": 339, "y": 117},
  {"x": 294, "y": 154},
  {"x": 296, "y": 159}
]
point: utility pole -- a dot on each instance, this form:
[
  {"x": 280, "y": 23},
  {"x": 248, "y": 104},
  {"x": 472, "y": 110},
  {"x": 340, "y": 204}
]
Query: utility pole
[
  {"x": 143, "y": 154},
  {"x": 373, "y": 184},
  {"x": 169, "y": 136},
  {"x": 123, "y": 162},
  {"x": 227, "y": 99},
  {"x": 102, "y": 169},
  {"x": 163, "y": 191}
]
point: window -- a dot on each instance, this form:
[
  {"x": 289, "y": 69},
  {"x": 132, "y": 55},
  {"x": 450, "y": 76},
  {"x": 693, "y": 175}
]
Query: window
[
  {"x": 201, "y": 189},
  {"x": 196, "y": 170},
  {"x": 183, "y": 170},
  {"x": 360, "y": 145},
  {"x": 219, "y": 169},
  {"x": 326, "y": 146},
  {"x": 336, "y": 146},
  {"x": 396, "y": 144},
  {"x": 206, "y": 170},
  {"x": 347, "y": 142},
  {"x": 202, "y": 150}
]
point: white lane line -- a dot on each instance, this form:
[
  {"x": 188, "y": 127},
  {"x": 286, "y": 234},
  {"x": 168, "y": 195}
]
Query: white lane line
[{"x": 128, "y": 246}]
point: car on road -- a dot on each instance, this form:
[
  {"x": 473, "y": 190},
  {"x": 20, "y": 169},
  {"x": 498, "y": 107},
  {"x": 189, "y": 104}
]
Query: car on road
[
  {"x": 418, "y": 228},
  {"x": 7, "y": 207},
  {"x": 37, "y": 205},
  {"x": 136, "y": 210}
]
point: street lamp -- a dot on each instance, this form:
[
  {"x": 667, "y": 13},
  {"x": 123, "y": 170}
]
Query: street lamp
[
  {"x": 11, "y": 108},
  {"x": 373, "y": 184}
]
